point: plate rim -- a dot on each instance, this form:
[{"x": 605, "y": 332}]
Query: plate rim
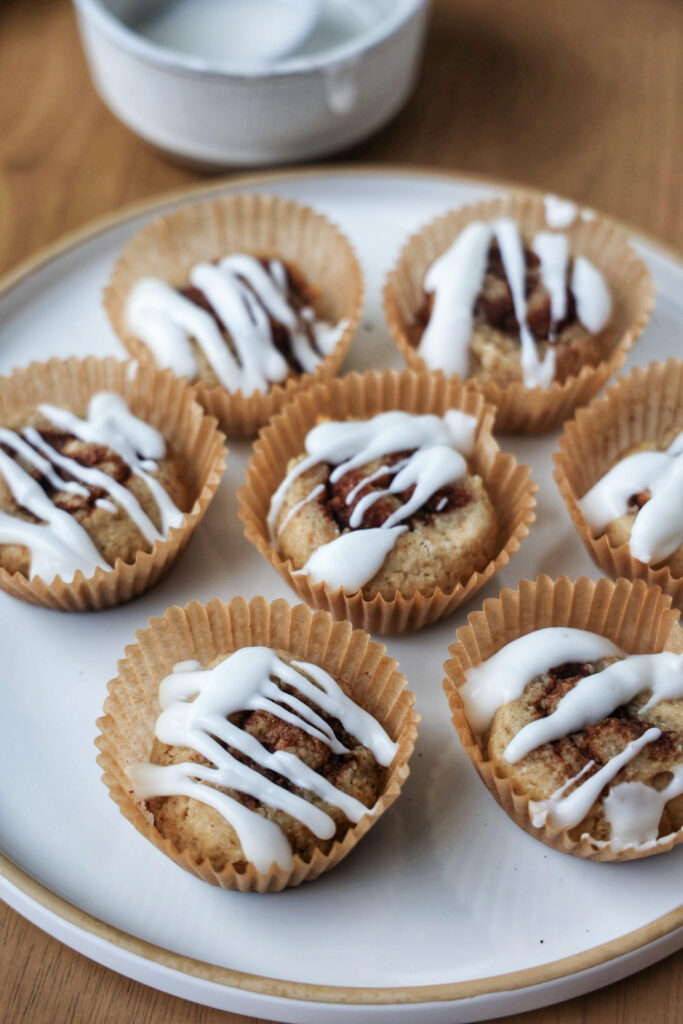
[
  {"x": 100, "y": 225},
  {"x": 530, "y": 977},
  {"x": 47, "y": 900}
]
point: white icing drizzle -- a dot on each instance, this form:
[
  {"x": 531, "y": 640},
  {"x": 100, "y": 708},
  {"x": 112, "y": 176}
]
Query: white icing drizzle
[
  {"x": 105, "y": 505},
  {"x": 111, "y": 423},
  {"x": 456, "y": 279},
  {"x": 243, "y": 294},
  {"x": 44, "y": 466},
  {"x": 353, "y": 558},
  {"x": 276, "y": 269},
  {"x": 536, "y": 373},
  {"x": 658, "y": 527},
  {"x": 559, "y": 213},
  {"x": 553, "y": 251},
  {"x": 567, "y": 811},
  {"x": 593, "y": 301},
  {"x": 96, "y": 478},
  {"x": 503, "y": 676},
  {"x": 633, "y": 809},
  {"x": 437, "y": 442},
  {"x": 59, "y": 545},
  {"x": 596, "y": 696},
  {"x": 244, "y": 682},
  {"x": 427, "y": 471},
  {"x": 364, "y": 481}
]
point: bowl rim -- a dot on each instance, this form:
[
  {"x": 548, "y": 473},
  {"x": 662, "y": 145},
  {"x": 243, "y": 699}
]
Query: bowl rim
[{"x": 97, "y": 13}]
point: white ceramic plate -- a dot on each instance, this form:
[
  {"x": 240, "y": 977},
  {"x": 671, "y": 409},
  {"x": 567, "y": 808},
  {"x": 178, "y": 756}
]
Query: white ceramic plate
[{"x": 446, "y": 912}]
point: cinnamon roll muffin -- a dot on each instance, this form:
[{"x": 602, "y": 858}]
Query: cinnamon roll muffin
[
  {"x": 617, "y": 777},
  {"x": 576, "y": 723},
  {"x": 249, "y": 297},
  {"x": 242, "y": 322},
  {"x": 619, "y": 468},
  {"x": 535, "y": 316},
  {"x": 384, "y": 498},
  {"x": 639, "y": 502},
  {"x": 386, "y": 505},
  {"x": 312, "y": 777},
  {"x": 105, "y": 470},
  {"x": 81, "y": 492},
  {"x": 255, "y": 743},
  {"x": 529, "y": 312}
]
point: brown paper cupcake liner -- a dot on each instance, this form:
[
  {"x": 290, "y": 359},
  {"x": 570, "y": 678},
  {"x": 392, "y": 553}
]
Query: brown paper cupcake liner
[
  {"x": 519, "y": 409},
  {"x": 508, "y": 484},
  {"x": 205, "y": 632},
  {"x": 160, "y": 399},
  {"x": 637, "y": 618},
  {"x": 260, "y": 226},
  {"x": 637, "y": 409}
]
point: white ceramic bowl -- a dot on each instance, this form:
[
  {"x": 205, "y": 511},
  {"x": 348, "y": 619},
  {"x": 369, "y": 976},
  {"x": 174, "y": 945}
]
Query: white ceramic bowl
[{"x": 300, "y": 108}]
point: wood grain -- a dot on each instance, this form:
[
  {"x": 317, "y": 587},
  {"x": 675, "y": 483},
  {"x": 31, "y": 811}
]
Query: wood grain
[{"x": 578, "y": 98}]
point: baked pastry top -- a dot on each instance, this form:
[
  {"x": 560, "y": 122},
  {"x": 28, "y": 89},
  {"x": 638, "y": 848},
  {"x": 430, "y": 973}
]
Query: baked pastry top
[
  {"x": 386, "y": 504},
  {"x": 500, "y": 306},
  {"x": 639, "y": 502},
  {"x": 259, "y": 757},
  {"x": 80, "y": 492},
  {"x": 242, "y": 323},
  {"x": 591, "y": 736}
]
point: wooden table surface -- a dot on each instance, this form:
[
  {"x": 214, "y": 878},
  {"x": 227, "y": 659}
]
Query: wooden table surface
[{"x": 579, "y": 98}]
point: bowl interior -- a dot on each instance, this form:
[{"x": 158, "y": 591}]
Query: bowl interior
[{"x": 207, "y": 34}]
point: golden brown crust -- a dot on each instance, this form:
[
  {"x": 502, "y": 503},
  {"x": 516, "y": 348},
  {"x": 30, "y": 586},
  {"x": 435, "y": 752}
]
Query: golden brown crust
[
  {"x": 301, "y": 294},
  {"x": 114, "y": 534},
  {"x": 440, "y": 548},
  {"x": 544, "y": 770},
  {"x": 209, "y": 633},
  {"x": 637, "y": 618},
  {"x": 495, "y": 349},
  {"x": 645, "y": 405},
  {"x": 520, "y": 409},
  {"x": 205, "y": 834},
  {"x": 171, "y": 245},
  {"x": 362, "y": 396},
  {"x": 618, "y": 531}
]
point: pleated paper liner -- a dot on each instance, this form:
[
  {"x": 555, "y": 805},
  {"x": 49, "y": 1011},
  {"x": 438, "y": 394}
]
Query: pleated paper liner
[
  {"x": 261, "y": 226},
  {"x": 519, "y": 409},
  {"x": 639, "y": 408},
  {"x": 160, "y": 399},
  {"x": 509, "y": 486},
  {"x": 637, "y": 618},
  {"x": 205, "y": 632}
]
